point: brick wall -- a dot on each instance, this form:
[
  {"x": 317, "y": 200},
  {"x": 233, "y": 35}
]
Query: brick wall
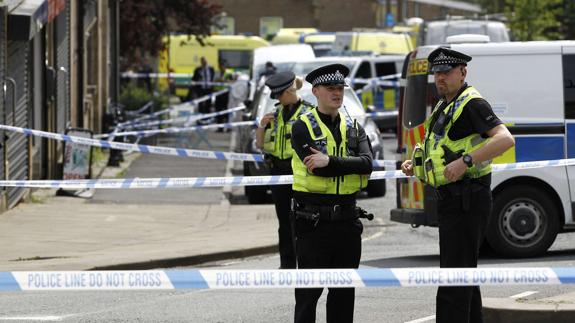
[{"x": 326, "y": 15}]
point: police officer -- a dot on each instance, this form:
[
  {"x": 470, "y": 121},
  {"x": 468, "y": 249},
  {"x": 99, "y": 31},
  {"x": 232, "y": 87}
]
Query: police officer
[
  {"x": 333, "y": 158},
  {"x": 462, "y": 136},
  {"x": 274, "y": 137}
]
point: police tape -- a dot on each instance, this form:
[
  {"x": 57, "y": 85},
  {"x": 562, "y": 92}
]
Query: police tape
[
  {"x": 174, "y": 130},
  {"x": 382, "y": 114},
  {"x": 191, "y": 103},
  {"x": 293, "y": 278},
  {"x": 159, "y": 150},
  {"x": 187, "y": 119},
  {"x": 171, "y": 75},
  {"x": 200, "y": 182}
]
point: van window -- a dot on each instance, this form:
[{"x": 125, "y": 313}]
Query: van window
[
  {"x": 236, "y": 59},
  {"x": 569, "y": 85},
  {"x": 364, "y": 71},
  {"x": 384, "y": 69}
]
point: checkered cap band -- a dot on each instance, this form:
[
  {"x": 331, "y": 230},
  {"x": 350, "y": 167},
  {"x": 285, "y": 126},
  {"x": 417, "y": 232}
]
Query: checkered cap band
[
  {"x": 443, "y": 59},
  {"x": 281, "y": 88},
  {"x": 333, "y": 78}
]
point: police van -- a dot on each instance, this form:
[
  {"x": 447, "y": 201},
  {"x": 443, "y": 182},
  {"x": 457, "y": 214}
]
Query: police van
[{"x": 531, "y": 88}]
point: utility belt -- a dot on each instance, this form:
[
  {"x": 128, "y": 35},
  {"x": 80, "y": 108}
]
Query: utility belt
[
  {"x": 463, "y": 188},
  {"x": 328, "y": 213}
]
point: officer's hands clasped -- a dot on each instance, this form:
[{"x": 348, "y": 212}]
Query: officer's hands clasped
[{"x": 317, "y": 159}]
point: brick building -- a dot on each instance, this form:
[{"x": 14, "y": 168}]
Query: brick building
[{"x": 337, "y": 15}]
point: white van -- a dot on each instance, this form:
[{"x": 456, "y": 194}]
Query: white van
[
  {"x": 531, "y": 87},
  {"x": 276, "y": 54},
  {"x": 437, "y": 32}
]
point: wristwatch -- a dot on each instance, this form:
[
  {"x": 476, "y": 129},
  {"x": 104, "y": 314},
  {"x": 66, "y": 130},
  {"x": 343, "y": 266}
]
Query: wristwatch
[{"x": 468, "y": 160}]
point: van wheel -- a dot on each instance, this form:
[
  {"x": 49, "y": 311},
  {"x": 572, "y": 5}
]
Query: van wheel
[
  {"x": 376, "y": 188},
  {"x": 524, "y": 222}
]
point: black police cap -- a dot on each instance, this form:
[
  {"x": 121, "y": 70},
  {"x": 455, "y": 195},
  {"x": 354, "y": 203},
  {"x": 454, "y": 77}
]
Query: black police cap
[
  {"x": 280, "y": 82},
  {"x": 333, "y": 74},
  {"x": 443, "y": 59}
]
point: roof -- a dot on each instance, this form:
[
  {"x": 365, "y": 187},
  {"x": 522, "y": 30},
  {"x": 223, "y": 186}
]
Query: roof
[{"x": 451, "y": 4}]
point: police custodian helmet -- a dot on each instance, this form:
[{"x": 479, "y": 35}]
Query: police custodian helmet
[
  {"x": 280, "y": 82},
  {"x": 333, "y": 74},
  {"x": 443, "y": 59}
]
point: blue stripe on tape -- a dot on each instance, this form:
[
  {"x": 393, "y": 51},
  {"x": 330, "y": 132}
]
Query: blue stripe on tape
[
  {"x": 379, "y": 277},
  {"x": 66, "y": 138},
  {"x": 163, "y": 182},
  {"x": 105, "y": 144},
  {"x": 7, "y": 282},
  {"x": 182, "y": 152},
  {"x": 188, "y": 279},
  {"x": 144, "y": 149},
  {"x": 127, "y": 182},
  {"x": 565, "y": 275},
  {"x": 199, "y": 182},
  {"x": 236, "y": 181},
  {"x": 219, "y": 155},
  {"x": 92, "y": 183},
  {"x": 274, "y": 179},
  {"x": 28, "y": 132}
]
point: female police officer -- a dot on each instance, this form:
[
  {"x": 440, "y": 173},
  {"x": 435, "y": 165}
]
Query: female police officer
[
  {"x": 274, "y": 137},
  {"x": 333, "y": 158},
  {"x": 456, "y": 160}
]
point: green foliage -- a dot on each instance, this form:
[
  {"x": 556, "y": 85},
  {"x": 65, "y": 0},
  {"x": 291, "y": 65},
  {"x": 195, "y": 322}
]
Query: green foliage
[
  {"x": 134, "y": 97},
  {"x": 144, "y": 23},
  {"x": 533, "y": 19}
]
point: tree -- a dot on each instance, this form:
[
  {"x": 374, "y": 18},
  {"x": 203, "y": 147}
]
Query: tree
[
  {"x": 533, "y": 19},
  {"x": 144, "y": 23}
]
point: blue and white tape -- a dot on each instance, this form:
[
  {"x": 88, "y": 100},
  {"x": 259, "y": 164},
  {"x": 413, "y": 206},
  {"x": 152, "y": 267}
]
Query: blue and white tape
[
  {"x": 382, "y": 114},
  {"x": 187, "y": 119},
  {"x": 300, "y": 278},
  {"x": 191, "y": 103},
  {"x": 158, "y": 150},
  {"x": 199, "y": 182},
  {"x": 172, "y": 130}
]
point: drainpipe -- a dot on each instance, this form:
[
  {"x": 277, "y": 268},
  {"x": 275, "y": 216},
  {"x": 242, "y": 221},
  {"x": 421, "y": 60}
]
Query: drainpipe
[{"x": 80, "y": 64}]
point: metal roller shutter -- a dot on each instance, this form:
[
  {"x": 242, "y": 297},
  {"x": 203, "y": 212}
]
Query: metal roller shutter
[
  {"x": 16, "y": 113},
  {"x": 3, "y": 43},
  {"x": 63, "y": 69}
]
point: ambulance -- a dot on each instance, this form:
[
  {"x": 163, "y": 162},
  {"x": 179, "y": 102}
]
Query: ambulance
[
  {"x": 183, "y": 54},
  {"x": 531, "y": 88}
]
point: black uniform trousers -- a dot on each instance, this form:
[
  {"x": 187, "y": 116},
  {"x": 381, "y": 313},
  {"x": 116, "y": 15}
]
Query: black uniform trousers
[
  {"x": 462, "y": 226},
  {"x": 327, "y": 245},
  {"x": 222, "y": 104},
  {"x": 282, "y": 195}
]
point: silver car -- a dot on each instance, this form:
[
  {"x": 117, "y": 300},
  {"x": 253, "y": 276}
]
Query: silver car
[{"x": 263, "y": 104}]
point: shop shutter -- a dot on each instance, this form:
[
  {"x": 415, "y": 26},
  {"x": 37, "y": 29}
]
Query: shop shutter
[
  {"x": 62, "y": 23},
  {"x": 16, "y": 113}
]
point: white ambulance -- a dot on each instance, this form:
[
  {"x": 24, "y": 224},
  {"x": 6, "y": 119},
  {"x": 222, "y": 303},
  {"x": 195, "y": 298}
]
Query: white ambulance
[{"x": 531, "y": 87}]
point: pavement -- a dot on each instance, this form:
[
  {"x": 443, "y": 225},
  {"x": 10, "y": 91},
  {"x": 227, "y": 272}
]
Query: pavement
[{"x": 135, "y": 229}]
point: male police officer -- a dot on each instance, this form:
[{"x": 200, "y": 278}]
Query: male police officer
[
  {"x": 333, "y": 157},
  {"x": 274, "y": 137},
  {"x": 462, "y": 136}
]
